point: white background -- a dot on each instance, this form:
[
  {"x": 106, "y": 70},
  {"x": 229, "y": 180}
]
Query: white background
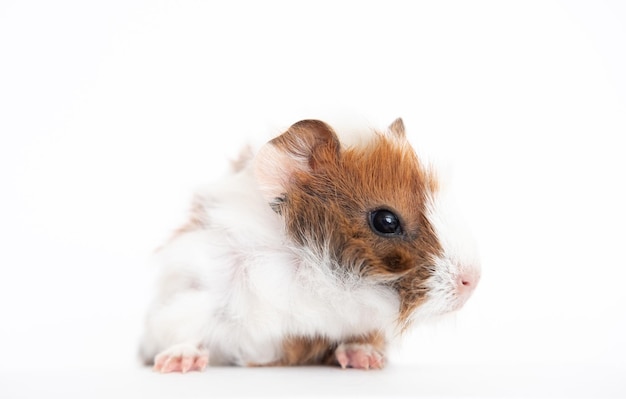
[{"x": 111, "y": 113}]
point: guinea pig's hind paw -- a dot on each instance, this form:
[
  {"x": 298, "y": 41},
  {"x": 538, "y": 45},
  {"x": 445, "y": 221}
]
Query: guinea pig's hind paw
[
  {"x": 181, "y": 358},
  {"x": 359, "y": 356}
]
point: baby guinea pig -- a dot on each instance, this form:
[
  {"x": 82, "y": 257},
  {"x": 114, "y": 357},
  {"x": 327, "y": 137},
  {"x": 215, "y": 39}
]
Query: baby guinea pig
[{"x": 309, "y": 252}]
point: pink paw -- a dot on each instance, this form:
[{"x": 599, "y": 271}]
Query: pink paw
[
  {"x": 181, "y": 358},
  {"x": 359, "y": 356}
]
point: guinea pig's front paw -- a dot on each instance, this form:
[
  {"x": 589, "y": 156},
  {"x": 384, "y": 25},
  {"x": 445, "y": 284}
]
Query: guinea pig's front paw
[
  {"x": 359, "y": 356},
  {"x": 181, "y": 358}
]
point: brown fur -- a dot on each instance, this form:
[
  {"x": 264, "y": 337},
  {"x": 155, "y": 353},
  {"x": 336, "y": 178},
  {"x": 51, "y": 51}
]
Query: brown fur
[
  {"x": 328, "y": 202},
  {"x": 303, "y": 351}
]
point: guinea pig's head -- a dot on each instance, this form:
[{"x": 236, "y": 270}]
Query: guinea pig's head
[{"x": 374, "y": 211}]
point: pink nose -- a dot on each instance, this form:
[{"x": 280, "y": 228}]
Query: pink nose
[{"x": 467, "y": 281}]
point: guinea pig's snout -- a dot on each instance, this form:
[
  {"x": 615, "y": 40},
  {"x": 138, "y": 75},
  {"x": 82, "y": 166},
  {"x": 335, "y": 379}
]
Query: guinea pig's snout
[{"x": 467, "y": 281}]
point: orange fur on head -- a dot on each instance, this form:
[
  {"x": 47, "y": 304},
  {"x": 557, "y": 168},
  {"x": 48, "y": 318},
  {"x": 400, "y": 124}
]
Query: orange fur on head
[{"x": 326, "y": 194}]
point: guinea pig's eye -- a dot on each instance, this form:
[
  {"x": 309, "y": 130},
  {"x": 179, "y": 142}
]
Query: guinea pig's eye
[{"x": 385, "y": 222}]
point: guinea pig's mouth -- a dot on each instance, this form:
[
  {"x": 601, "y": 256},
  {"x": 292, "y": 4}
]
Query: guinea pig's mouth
[{"x": 458, "y": 303}]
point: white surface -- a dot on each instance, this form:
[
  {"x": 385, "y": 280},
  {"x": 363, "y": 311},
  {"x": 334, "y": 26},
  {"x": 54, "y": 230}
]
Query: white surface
[
  {"x": 112, "y": 112},
  {"x": 395, "y": 382}
]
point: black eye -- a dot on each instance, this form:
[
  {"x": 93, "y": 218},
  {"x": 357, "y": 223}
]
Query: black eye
[{"x": 385, "y": 222}]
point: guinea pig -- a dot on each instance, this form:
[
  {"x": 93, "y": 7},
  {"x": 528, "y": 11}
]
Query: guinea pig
[{"x": 309, "y": 252}]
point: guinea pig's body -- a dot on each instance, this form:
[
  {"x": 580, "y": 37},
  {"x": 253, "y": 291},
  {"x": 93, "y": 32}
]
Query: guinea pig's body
[{"x": 308, "y": 253}]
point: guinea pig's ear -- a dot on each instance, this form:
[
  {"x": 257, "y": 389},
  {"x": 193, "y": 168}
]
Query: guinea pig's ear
[
  {"x": 306, "y": 146},
  {"x": 397, "y": 128}
]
